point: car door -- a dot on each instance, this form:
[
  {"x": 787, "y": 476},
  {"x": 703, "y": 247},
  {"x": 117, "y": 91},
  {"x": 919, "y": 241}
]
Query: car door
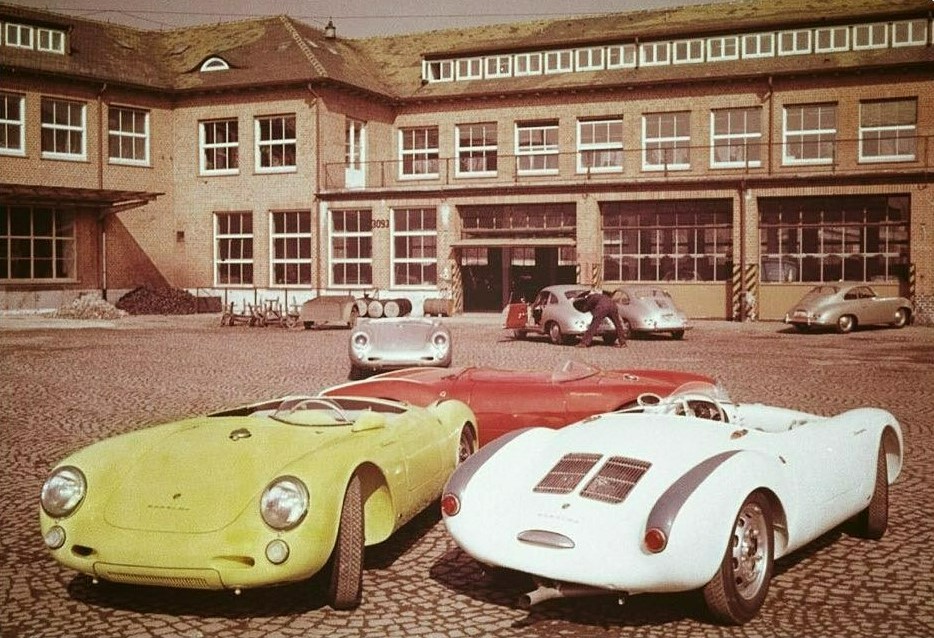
[{"x": 419, "y": 438}]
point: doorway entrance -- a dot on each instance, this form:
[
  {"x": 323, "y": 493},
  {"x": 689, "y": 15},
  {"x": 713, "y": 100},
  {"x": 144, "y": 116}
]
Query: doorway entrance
[{"x": 494, "y": 276}]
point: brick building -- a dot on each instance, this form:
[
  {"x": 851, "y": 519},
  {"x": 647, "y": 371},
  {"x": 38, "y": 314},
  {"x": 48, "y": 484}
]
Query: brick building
[{"x": 267, "y": 159}]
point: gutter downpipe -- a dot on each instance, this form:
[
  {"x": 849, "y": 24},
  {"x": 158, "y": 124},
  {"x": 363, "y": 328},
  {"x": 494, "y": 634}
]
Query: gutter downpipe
[
  {"x": 315, "y": 202},
  {"x": 100, "y": 186}
]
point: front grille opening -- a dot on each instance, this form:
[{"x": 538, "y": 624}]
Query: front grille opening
[
  {"x": 615, "y": 479},
  {"x": 567, "y": 473}
]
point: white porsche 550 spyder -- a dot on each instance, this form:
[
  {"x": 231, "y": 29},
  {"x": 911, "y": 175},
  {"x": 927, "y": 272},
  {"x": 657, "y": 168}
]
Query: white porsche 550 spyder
[{"x": 687, "y": 492}]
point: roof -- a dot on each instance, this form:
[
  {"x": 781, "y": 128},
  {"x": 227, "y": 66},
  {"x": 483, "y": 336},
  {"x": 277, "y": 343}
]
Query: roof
[{"x": 116, "y": 200}]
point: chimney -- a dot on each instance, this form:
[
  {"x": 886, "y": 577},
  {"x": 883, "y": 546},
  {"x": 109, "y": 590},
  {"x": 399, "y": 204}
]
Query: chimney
[{"x": 330, "y": 31}]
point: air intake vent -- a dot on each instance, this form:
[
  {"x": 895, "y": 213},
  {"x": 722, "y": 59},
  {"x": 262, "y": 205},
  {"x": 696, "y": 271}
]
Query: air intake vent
[
  {"x": 567, "y": 473},
  {"x": 615, "y": 479}
]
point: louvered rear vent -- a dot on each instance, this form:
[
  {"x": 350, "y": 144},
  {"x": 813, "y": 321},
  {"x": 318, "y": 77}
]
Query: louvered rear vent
[
  {"x": 615, "y": 479},
  {"x": 567, "y": 473}
]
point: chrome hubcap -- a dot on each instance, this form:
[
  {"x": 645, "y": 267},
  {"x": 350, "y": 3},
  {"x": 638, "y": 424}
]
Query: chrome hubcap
[{"x": 750, "y": 551}]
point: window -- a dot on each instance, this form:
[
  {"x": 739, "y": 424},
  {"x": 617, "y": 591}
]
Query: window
[
  {"x": 128, "y": 135},
  {"x": 351, "y": 246},
  {"x": 559, "y": 61},
  {"x": 233, "y": 246},
  {"x": 220, "y": 147},
  {"x": 871, "y": 36},
  {"x": 654, "y": 53},
  {"x": 414, "y": 247},
  {"x": 291, "y": 248},
  {"x": 736, "y": 138},
  {"x": 476, "y": 150},
  {"x": 418, "y": 150},
  {"x": 600, "y": 146},
  {"x": 831, "y": 239},
  {"x": 499, "y": 66},
  {"x": 36, "y": 243},
  {"x": 620, "y": 56},
  {"x": 666, "y": 141},
  {"x": 51, "y": 40},
  {"x": 275, "y": 144},
  {"x": 724, "y": 48},
  {"x": 910, "y": 33},
  {"x": 688, "y": 51},
  {"x": 796, "y": 42},
  {"x": 214, "y": 64},
  {"x": 527, "y": 64},
  {"x": 759, "y": 45},
  {"x": 438, "y": 70},
  {"x": 810, "y": 134},
  {"x": 537, "y": 148},
  {"x": 470, "y": 69},
  {"x": 12, "y": 124},
  {"x": 63, "y": 129},
  {"x": 887, "y": 130},
  {"x": 831, "y": 39},
  {"x": 590, "y": 59},
  {"x": 680, "y": 240},
  {"x": 18, "y": 35}
]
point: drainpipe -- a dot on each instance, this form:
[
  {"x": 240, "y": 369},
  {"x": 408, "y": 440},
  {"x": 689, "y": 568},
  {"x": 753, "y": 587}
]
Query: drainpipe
[
  {"x": 316, "y": 204},
  {"x": 100, "y": 185},
  {"x": 771, "y": 148},
  {"x": 742, "y": 250}
]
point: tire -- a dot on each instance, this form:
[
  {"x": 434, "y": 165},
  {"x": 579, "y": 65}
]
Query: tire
[
  {"x": 802, "y": 327},
  {"x": 518, "y": 334},
  {"x": 736, "y": 593},
  {"x": 355, "y": 374},
  {"x": 846, "y": 323},
  {"x": 873, "y": 521},
  {"x": 901, "y": 318},
  {"x": 677, "y": 334},
  {"x": 554, "y": 333},
  {"x": 345, "y": 589},
  {"x": 466, "y": 446},
  {"x": 354, "y": 315},
  {"x": 609, "y": 338}
]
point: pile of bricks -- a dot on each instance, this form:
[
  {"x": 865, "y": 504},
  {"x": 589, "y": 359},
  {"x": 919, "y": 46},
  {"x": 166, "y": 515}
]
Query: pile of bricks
[
  {"x": 147, "y": 300},
  {"x": 89, "y": 307}
]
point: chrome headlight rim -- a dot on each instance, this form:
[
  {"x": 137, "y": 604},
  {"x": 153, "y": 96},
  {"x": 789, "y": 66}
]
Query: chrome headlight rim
[
  {"x": 360, "y": 341},
  {"x": 59, "y": 504},
  {"x": 440, "y": 341},
  {"x": 284, "y": 503}
]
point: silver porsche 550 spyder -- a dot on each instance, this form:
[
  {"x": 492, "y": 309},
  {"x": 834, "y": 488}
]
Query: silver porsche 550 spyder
[{"x": 404, "y": 342}]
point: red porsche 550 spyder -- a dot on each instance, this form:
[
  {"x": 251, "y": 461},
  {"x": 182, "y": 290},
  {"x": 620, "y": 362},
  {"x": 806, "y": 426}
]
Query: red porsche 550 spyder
[{"x": 506, "y": 400}]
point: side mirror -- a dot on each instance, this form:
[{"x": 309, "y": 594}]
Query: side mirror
[{"x": 369, "y": 420}]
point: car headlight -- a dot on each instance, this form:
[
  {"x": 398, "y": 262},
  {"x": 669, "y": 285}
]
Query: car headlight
[
  {"x": 440, "y": 341},
  {"x": 360, "y": 341},
  {"x": 63, "y": 491},
  {"x": 284, "y": 503}
]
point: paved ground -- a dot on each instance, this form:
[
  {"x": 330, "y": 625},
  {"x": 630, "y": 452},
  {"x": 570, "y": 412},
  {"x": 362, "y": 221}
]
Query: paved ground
[{"x": 64, "y": 388}]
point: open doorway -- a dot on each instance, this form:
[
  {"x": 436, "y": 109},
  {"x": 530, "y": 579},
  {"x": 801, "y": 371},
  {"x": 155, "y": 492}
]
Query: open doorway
[{"x": 496, "y": 275}]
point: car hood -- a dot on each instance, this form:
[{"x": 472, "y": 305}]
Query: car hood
[{"x": 199, "y": 475}]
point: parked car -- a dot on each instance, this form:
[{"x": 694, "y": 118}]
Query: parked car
[
  {"x": 259, "y": 495},
  {"x": 846, "y": 306},
  {"x": 389, "y": 344},
  {"x": 329, "y": 310},
  {"x": 505, "y": 400},
  {"x": 686, "y": 492},
  {"x": 552, "y": 313},
  {"x": 648, "y": 309}
]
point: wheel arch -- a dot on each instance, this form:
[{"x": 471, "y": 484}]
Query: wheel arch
[
  {"x": 378, "y": 504},
  {"x": 891, "y": 444}
]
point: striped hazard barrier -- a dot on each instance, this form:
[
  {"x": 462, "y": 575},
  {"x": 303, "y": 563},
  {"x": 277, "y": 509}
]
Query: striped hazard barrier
[
  {"x": 751, "y": 294},
  {"x": 737, "y": 293}
]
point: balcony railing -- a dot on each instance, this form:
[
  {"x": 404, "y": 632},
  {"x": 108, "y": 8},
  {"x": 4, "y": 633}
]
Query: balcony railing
[{"x": 802, "y": 158}]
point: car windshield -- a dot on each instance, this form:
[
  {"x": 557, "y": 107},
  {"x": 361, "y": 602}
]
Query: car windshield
[
  {"x": 320, "y": 411},
  {"x": 647, "y": 293},
  {"x": 576, "y": 292},
  {"x": 569, "y": 370}
]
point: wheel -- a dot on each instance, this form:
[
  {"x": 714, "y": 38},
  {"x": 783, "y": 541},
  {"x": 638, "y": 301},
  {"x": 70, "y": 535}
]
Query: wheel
[
  {"x": 345, "y": 589},
  {"x": 354, "y": 315},
  {"x": 554, "y": 333},
  {"x": 801, "y": 327},
  {"x": 901, "y": 318},
  {"x": 846, "y": 323},
  {"x": 677, "y": 334},
  {"x": 466, "y": 446},
  {"x": 518, "y": 334},
  {"x": 872, "y": 522},
  {"x": 627, "y": 328},
  {"x": 356, "y": 373},
  {"x": 609, "y": 338},
  {"x": 735, "y": 594},
  {"x": 308, "y": 324}
]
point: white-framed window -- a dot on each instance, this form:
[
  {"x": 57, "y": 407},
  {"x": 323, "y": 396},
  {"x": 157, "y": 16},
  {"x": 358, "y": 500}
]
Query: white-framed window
[
  {"x": 796, "y": 42},
  {"x": 758, "y": 45},
  {"x": 470, "y": 69},
  {"x": 350, "y": 247},
  {"x": 831, "y": 39},
  {"x": 414, "y": 247},
  {"x": 559, "y": 61},
  {"x": 18, "y": 35},
  {"x": 291, "y": 251},
  {"x": 418, "y": 152},
  {"x": 12, "y": 124},
  {"x": 498, "y": 66},
  {"x": 907, "y": 33},
  {"x": 723, "y": 48},
  {"x": 127, "y": 135},
  {"x": 589, "y": 59},
  {"x": 537, "y": 148},
  {"x": 37, "y": 243},
  {"x": 527, "y": 64},
  {"x": 219, "y": 142},
  {"x": 214, "y": 64},
  {"x": 810, "y": 133},
  {"x": 438, "y": 70},
  {"x": 888, "y": 130},
  {"x": 64, "y": 129},
  {"x": 870, "y": 36},
  {"x": 600, "y": 145},
  {"x": 50, "y": 40},
  {"x": 276, "y": 143},
  {"x": 736, "y": 137},
  {"x": 621, "y": 56},
  {"x": 655, "y": 53},
  {"x": 666, "y": 141},
  {"x": 233, "y": 248},
  {"x": 476, "y": 148},
  {"x": 687, "y": 51}
]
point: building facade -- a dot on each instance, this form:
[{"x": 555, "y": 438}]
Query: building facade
[{"x": 736, "y": 165}]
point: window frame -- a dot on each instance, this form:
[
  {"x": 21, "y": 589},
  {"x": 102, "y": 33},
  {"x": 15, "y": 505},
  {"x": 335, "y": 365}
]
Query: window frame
[
  {"x": 628, "y": 50},
  {"x": 655, "y": 59},
  {"x": 277, "y": 123},
  {"x": 16, "y": 42},
  {"x": 217, "y": 147},
  {"x": 761, "y": 51},
  {"x": 428, "y": 155},
  {"x": 532, "y": 150},
  {"x": 871, "y": 31},
  {"x": 888, "y": 128},
  {"x": 676, "y": 139},
  {"x": 833, "y": 46},
  {"x": 54, "y": 128},
  {"x": 476, "y": 151},
  {"x": 495, "y": 62},
  {"x": 360, "y": 235},
  {"x": 469, "y": 68},
  {"x": 425, "y": 262},
  {"x": 224, "y": 242},
  {"x": 10, "y": 124},
  {"x": 56, "y": 39},
  {"x": 131, "y": 136},
  {"x": 805, "y": 133},
  {"x": 584, "y": 59},
  {"x": 730, "y": 136},
  {"x": 600, "y": 148},
  {"x": 296, "y": 236},
  {"x": 692, "y": 51},
  {"x": 911, "y": 40},
  {"x": 559, "y": 61},
  {"x": 60, "y": 245},
  {"x": 723, "y": 41},
  {"x": 438, "y": 70},
  {"x": 214, "y": 63},
  {"x": 796, "y": 47}
]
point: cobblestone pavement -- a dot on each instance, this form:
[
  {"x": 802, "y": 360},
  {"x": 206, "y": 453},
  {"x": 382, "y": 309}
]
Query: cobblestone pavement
[{"x": 64, "y": 388}]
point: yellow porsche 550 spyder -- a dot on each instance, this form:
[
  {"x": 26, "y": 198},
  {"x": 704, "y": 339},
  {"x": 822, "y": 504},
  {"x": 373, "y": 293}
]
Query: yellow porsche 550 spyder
[{"x": 264, "y": 494}]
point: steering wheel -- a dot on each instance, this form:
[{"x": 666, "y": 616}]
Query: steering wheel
[{"x": 705, "y": 409}]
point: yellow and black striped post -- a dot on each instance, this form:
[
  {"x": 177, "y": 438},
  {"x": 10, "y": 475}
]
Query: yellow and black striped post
[
  {"x": 577, "y": 275},
  {"x": 912, "y": 283},
  {"x": 737, "y": 293},
  {"x": 457, "y": 287},
  {"x": 594, "y": 276},
  {"x": 751, "y": 295}
]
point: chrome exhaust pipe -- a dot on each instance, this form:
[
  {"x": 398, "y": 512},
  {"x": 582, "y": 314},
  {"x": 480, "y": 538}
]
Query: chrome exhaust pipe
[{"x": 558, "y": 590}]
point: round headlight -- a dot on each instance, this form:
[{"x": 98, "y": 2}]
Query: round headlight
[
  {"x": 63, "y": 491},
  {"x": 439, "y": 340},
  {"x": 360, "y": 340},
  {"x": 284, "y": 503}
]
